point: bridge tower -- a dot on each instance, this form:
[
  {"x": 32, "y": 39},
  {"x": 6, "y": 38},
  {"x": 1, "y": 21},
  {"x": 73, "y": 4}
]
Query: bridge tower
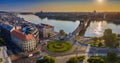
[{"x": 82, "y": 23}]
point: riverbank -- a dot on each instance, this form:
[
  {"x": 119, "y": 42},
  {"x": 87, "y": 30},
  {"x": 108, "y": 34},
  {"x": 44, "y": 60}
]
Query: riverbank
[{"x": 71, "y": 16}]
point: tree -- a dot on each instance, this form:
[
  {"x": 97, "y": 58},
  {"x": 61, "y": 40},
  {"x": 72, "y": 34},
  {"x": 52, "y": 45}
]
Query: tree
[
  {"x": 46, "y": 59},
  {"x": 96, "y": 60},
  {"x": 39, "y": 61},
  {"x": 100, "y": 44},
  {"x": 111, "y": 57},
  {"x": 100, "y": 38},
  {"x": 81, "y": 58},
  {"x": 95, "y": 40},
  {"x": 73, "y": 60},
  {"x": 118, "y": 61},
  {"x": 110, "y": 38},
  {"x": 1, "y": 60},
  {"x": 1, "y": 41},
  {"x": 62, "y": 32}
]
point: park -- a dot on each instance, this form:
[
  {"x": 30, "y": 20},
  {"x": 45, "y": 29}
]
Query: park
[{"x": 59, "y": 46}]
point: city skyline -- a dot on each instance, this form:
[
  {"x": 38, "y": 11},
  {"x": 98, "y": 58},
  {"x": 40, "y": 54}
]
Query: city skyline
[
  {"x": 60, "y": 6},
  {"x": 59, "y": 31}
]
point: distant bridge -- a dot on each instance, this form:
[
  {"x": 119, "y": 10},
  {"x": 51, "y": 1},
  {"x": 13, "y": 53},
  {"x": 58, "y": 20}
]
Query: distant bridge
[{"x": 83, "y": 24}]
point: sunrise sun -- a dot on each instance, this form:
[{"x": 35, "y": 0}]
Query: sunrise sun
[{"x": 100, "y": 1}]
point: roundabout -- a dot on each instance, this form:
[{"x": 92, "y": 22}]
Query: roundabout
[{"x": 59, "y": 46}]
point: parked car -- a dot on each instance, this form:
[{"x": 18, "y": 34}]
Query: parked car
[{"x": 30, "y": 55}]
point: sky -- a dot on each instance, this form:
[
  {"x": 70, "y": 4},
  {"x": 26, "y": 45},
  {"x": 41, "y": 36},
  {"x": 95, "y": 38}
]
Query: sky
[{"x": 60, "y": 5}]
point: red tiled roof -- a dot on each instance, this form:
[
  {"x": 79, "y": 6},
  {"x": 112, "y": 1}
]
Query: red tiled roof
[{"x": 19, "y": 34}]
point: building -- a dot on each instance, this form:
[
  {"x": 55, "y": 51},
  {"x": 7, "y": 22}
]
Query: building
[
  {"x": 34, "y": 31},
  {"x": 46, "y": 30},
  {"x": 4, "y": 58},
  {"x": 26, "y": 37},
  {"x": 5, "y": 31},
  {"x": 14, "y": 29},
  {"x": 23, "y": 40}
]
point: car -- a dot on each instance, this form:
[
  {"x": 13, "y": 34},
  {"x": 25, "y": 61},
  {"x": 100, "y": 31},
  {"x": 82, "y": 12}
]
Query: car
[
  {"x": 30, "y": 55},
  {"x": 40, "y": 58}
]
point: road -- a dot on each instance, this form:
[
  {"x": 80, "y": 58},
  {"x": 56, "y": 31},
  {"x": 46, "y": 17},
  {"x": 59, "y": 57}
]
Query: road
[{"x": 78, "y": 50}]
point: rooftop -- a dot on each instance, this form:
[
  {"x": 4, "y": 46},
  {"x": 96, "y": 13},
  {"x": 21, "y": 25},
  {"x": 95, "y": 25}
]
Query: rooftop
[
  {"x": 21, "y": 35},
  {"x": 45, "y": 26},
  {"x": 6, "y": 26}
]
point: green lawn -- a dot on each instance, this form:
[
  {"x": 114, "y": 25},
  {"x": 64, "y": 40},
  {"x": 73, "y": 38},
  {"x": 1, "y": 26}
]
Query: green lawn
[
  {"x": 59, "y": 46},
  {"x": 96, "y": 44}
]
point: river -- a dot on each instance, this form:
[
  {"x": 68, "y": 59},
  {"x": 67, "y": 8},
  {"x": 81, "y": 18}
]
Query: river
[
  {"x": 67, "y": 26},
  {"x": 96, "y": 28}
]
